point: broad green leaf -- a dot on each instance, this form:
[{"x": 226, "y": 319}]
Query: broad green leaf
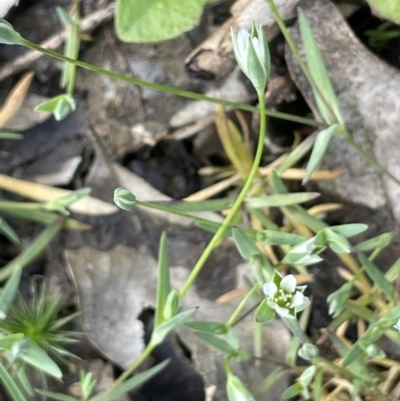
[
  {"x": 10, "y": 386},
  {"x": 8, "y": 232},
  {"x": 338, "y": 243},
  {"x": 207, "y": 327},
  {"x": 245, "y": 245},
  {"x": 264, "y": 313},
  {"x": 163, "y": 285},
  {"x": 131, "y": 384},
  {"x": 280, "y": 200},
  {"x": 147, "y": 21},
  {"x": 321, "y": 144},
  {"x": 377, "y": 277},
  {"x": 39, "y": 359},
  {"x": 386, "y": 9},
  {"x": 328, "y": 105},
  {"x": 378, "y": 242},
  {"x": 274, "y": 237},
  {"x": 216, "y": 342},
  {"x": 161, "y": 331},
  {"x": 349, "y": 230},
  {"x": 7, "y": 341},
  {"x": 8, "y": 292}
]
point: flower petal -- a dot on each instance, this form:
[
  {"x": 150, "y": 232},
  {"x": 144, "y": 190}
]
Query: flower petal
[
  {"x": 288, "y": 283},
  {"x": 297, "y": 300},
  {"x": 270, "y": 289},
  {"x": 284, "y": 312}
]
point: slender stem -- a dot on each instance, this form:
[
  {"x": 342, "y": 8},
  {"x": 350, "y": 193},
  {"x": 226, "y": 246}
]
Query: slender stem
[
  {"x": 236, "y": 206},
  {"x": 242, "y": 304},
  {"x": 370, "y": 159},
  {"x": 128, "y": 372},
  {"x": 169, "y": 89}
]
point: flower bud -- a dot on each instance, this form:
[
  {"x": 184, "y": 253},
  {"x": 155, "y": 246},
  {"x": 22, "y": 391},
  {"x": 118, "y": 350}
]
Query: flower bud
[{"x": 124, "y": 198}]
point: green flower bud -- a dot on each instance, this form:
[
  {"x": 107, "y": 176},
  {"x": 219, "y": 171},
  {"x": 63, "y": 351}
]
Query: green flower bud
[
  {"x": 252, "y": 54},
  {"x": 60, "y": 106},
  {"x": 308, "y": 351},
  {"x": 8, "y": 36},
  {"x": 124, "y": 199},
  {"x": 236, "y": 389}
]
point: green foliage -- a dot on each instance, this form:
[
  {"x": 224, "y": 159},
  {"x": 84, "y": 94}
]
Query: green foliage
[
  {"x": 156, "y": 20},
  {"x": 387, "y": 9}
]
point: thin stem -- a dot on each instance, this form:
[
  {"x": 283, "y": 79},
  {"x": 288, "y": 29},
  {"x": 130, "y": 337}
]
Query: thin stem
[
  {"x": 236, "y": 206},
  {"x": 169, "y": 89},
  {"x": 370, "y": 159},
  {"x": 242, "y": 304},
  {"x": 128, "y": 372}
]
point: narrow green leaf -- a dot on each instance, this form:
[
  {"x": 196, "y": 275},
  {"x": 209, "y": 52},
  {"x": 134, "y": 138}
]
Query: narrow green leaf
[
  {"x": 277, "y": 184},
  {"x": 56, "y": 396},
  {"x": 274, "y": 237},
  {"x": 378, "y": 242},
  {"x": 161, "y": 331},
  {"x": 216, "y": 342},
  {"x": 378, "y": 278},
  {"x": 280, "y": 200},
  {"x": 8, "y": 232},
  {"x": 153, "y": 21},
  {"x": 270, "y": 380},
  {"x": 8, "y": 134},
  {"x": 7, "y": 341},
  {"x": 211, "y": 205},
  {"x": 207, "y": 327},
  {"x": 236, "y": 389},
  {"x": 329, "y": 105},
  {"x": 321, "y": 144},
  {"x": 60, "y": 106},
  {"x": 338, "y": 243},
  {"x": 163, "y": 285},
  {"x": 131, "y": 384},
  {"x": 393, "y": 271},
  {"x": 8, "y": 35},
  {"x": 62, "y": 204},
  {"x": 292, "y": 391},
  {"x": 10, "y": 385},
  {"x": 34, "y": 250},
  {"x": 39, "y": 359},
  {"x": 245, "y": 245},
  {"x": 9, "y": 291}
]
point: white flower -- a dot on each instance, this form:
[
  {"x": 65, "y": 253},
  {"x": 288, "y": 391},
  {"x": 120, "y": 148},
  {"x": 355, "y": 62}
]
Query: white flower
[
  {"x": 284, "y": 296},
  {"x": 252, "y": 54}
]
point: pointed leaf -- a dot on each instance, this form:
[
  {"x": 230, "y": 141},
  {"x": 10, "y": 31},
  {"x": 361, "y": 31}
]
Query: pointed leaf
[
  {"x": 163, "y": 285},
  {"x": 321, "y": 144},
  {"x": 207, "y": 327},
  {"x": 216, "y": 342},
  {"x": 161, "y": 331},
  {"x": 8, "y": 232},
  {"x": 280, "y": 200},
  {"x": 9, "y": 291},
  {"x": 10, "y": 385},
  {"x": 264, "y": 313},
  {"x": 245, "y": 245}
]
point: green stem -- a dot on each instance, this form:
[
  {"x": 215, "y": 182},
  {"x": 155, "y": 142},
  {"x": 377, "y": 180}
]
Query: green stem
[
  {"x": 168, "y": 89},
  {"x": 36, "y": 248},
  {"x": 242, "y": 304},
  {"x": 236, "y": 206},
  {"x": 128, "y": 372},
  {"x": 370, "y": 159}
]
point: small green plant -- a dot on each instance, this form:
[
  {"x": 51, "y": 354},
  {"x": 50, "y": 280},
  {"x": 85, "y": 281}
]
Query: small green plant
[{"x": 368, "y": 298}]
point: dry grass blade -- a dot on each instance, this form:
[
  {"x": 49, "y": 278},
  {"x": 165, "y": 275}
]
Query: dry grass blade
[
  {"x": 233, "y": 143},
  {"x": 15, "y": 99},
  {"x": 41, "y": 192}
]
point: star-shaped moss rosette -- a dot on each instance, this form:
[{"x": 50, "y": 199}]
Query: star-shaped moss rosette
[{"x": 283, "y": 297}]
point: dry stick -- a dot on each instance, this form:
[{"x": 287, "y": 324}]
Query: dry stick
[{"x": 55, "y": 41}]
